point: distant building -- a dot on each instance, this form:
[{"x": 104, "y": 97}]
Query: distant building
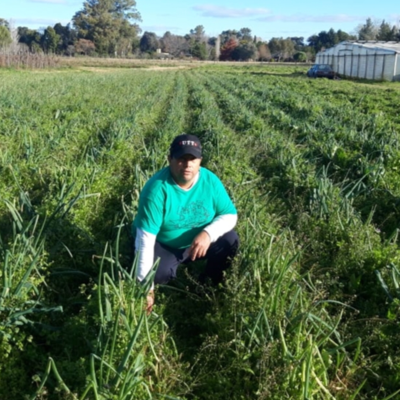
[
  {"x": 163, "y": 56},
  {"x": 364, "y": 59}
]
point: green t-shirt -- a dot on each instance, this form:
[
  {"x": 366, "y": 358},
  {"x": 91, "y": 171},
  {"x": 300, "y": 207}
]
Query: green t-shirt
[{"x": 177, "y": 216}]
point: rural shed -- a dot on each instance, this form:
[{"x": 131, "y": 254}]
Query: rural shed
[{"x": 364, "y": 59}]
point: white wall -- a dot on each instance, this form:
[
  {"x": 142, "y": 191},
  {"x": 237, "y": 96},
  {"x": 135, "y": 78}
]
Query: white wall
[
  {"x": 397, "y": 68},
  {"x": 361, "y": 62}
]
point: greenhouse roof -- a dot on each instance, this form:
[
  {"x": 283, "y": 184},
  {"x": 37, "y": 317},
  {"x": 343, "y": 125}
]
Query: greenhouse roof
[{"x": 376, "y": 44}]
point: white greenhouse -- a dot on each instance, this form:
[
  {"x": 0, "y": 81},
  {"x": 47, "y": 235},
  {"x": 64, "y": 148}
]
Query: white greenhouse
[{"x": 364, "y": 59}]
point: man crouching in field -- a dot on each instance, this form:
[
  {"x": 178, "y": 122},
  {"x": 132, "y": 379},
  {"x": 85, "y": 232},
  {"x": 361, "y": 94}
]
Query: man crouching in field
[{"x": 185, "y": 214}]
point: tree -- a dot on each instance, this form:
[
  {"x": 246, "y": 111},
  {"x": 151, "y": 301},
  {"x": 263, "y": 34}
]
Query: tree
[
  {"x": 275, "y": 47},
  {"x": 386, "y": 32},
  {"x": 344, "y": 36},
  {"x": 288, "y": 49},
  {"x": 5, "y": 36},
  {"x": 4, "y": 22},
  {"x": 199, "y": 50},
  {"x": 9, "y": 37},
  {"x": 67, "y": 35},
  {"x": 245, "y": 35},
  {"x": 324, "y": 40},
  {"x": 50, "y": 40},
  {"x": 298, "y": 42},
  {"x": 149, "y": 42},
  {"x": 128, "y": 39},
  {"x": 30, "y": 37},
  {"x": 198, "y": 33},
  {"x": 84, "y": 46},
  {"x": 198, "y": 43},
  {"x": 368, "y": 31},
  {"x": 174, "y": 44},
  {"x": 228, "y": 48},
  {"x": 327, "y": 39},
  {"x": 245, "y": 51},
  {"x": 281, "y": 48},
  {"x": 263, "y": 52},
  {"x": 107, "y": 23},
  {"x": 300, "y": 56},
  {"x": 227, "y": 35},
  {"x": 212, "y": 48}
]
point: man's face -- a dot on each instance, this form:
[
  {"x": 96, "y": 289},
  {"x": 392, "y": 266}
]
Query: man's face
[{"x": 184, "y": 169}]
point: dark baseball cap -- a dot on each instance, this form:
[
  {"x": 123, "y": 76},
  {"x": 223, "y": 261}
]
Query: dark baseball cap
[{"x": 185, "y": 144}]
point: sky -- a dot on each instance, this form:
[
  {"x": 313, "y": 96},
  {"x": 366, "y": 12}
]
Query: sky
[{"x": 266, "y": 19}]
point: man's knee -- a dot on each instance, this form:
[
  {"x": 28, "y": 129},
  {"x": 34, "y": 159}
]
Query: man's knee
[
  {"x": 227, "y": 245},
  {"x": 164, "y": 275},
  {"x": 233, "y": 240},
  {"x": 168, "y": 263}
]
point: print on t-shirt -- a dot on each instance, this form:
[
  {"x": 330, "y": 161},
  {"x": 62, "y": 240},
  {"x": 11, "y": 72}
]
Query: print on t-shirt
[{"x": 191, "y": 216}]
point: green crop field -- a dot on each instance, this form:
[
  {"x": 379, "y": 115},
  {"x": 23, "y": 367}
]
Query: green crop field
[{"x": 311, "y": 307}]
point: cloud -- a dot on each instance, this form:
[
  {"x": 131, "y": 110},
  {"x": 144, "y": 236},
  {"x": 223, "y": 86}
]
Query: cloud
[
  {"x": 225, "y": 12},
  {"x": 312, "y": 18}
]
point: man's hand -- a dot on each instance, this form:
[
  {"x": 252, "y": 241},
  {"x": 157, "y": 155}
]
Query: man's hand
[
  {"x": 199, "y": 246},
  {"x": 149, "y": 302}
]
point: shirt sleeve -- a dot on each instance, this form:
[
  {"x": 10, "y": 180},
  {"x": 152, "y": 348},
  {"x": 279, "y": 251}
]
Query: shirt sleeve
[
  {"x": 221, "y": 225},
  {"x": 150, "y": 215},
  {"x": 144, "y": 247}
]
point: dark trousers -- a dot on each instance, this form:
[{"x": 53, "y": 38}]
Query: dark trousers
[{"x": 218, "y": 256}]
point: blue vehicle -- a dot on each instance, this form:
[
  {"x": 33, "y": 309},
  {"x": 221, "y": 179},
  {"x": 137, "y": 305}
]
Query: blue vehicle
[{"x": 321, "y": 71}]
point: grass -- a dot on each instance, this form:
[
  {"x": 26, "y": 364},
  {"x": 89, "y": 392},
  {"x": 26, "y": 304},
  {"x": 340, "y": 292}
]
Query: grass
[{"x": 310, "y": 308}]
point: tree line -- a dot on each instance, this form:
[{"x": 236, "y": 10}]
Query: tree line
[{"x": 110, "y": 28}]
